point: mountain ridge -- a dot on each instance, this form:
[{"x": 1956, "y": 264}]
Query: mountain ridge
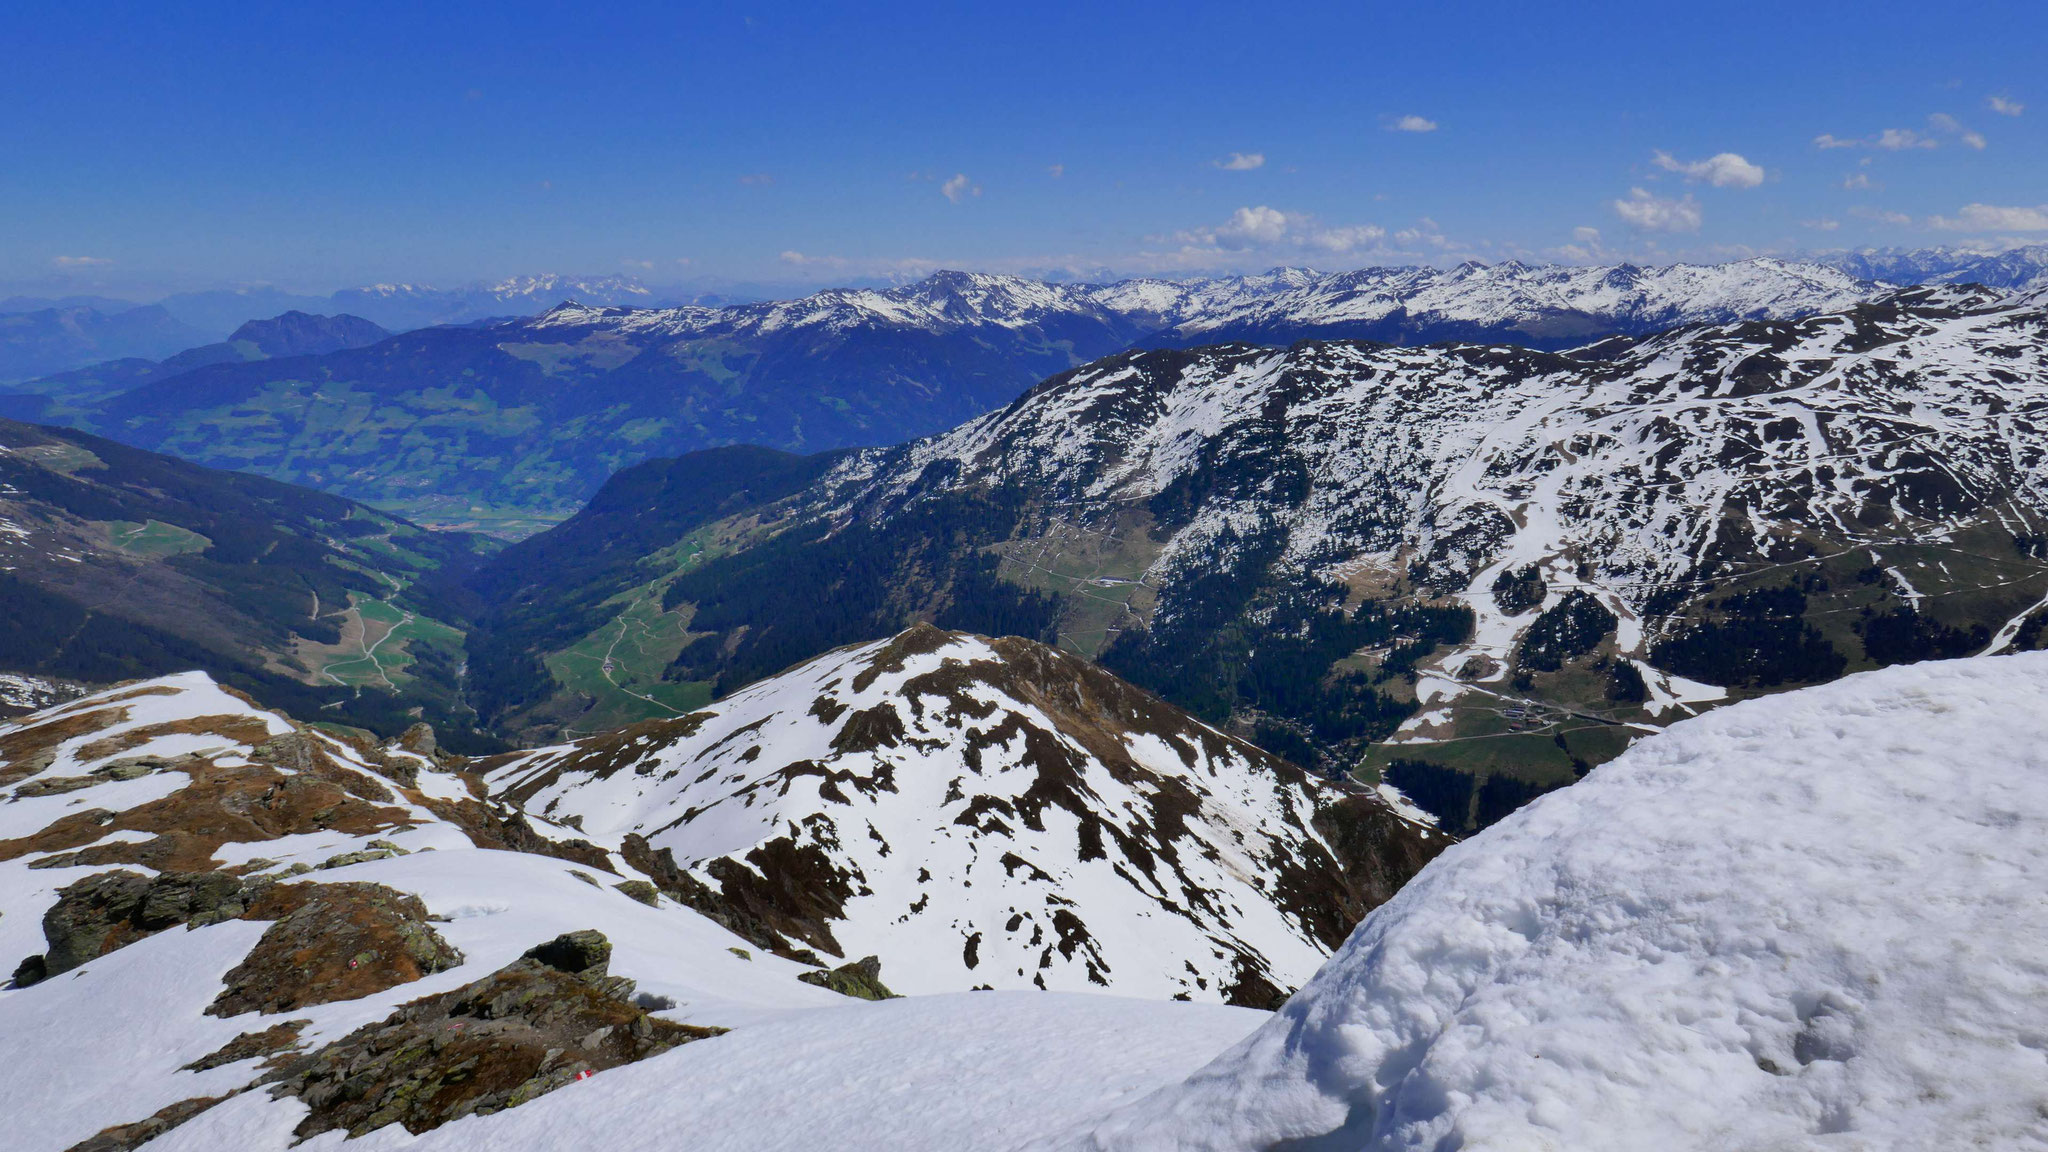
[{"x": 1479, "y": 563}]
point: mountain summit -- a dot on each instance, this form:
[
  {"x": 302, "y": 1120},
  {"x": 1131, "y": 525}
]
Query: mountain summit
[{"x": 985, "y": 813}]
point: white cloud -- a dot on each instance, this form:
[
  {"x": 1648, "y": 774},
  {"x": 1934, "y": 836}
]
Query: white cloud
[
  {"x": 959, "y": 188},
  {"x": 1348, "y": 239},
  {"x": 1943, "y": 122},
  {"x": 803, "y": 261},
  {"x": 1993, "y": 217},
  {"x": 1881, "y": 215},
  {"x": 1900, "y": 140},
  {"x": 1250, "y": 227},
  {"x": 1586, "y": 235},
  {"x": 1263, "y": 227},
  {"x": 1909, "y": 139},
  {"x": 1723, "y": 170},
  {"x": 2004, "y": 106},
  {"x": 80, "y": 261},
  {"x": 1425, "y": 234},
  {"x": 1412, "y": 124},
  {"x": 1821, "y": 225},
  {"x": 1056, "y": 170},
  {"x": 1856, "y": 180},
  {"x": 1242, "y": 161},
  {"x": 1657, "y": 214},
  {"x": 644, "y": 265}
]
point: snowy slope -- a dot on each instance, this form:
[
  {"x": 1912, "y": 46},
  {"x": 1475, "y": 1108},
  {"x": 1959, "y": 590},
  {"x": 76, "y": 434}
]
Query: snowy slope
[
  {"x": 981, "y": 812},
  {"x": 922, "y": 1074},
  {"x": 175, "y": 774},
  {"x": 1811, "y": 921}
]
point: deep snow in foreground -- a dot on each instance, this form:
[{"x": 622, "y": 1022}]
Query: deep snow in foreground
[
  {"x": 1815, "y": 920},
  {"x": 924, "y": 1074}
]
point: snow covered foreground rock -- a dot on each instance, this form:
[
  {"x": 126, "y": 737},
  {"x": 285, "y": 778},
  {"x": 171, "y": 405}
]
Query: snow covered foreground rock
[{"x": 1813, "y": 921}]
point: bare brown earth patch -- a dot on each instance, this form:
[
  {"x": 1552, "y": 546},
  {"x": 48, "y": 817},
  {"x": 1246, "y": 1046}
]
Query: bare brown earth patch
[
  {"x": 27, "y": 751},
  {"x": 332, "y": 942},
  {"x": 240, "y": 803},
  {"x": 248, "y": 731}
]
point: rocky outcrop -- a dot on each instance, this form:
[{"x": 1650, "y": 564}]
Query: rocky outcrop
[
  {"x": 861, "y": 979},
  {"x": 126, "y": 1137},
  {"x": 332, "y": 942},
  {"x": 550, "y": 1018},
  {"x": 98, "y": 914}
]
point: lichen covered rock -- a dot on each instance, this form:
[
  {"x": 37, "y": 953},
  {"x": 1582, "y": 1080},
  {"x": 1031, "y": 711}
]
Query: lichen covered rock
[{"x": 550, "y": 1018}]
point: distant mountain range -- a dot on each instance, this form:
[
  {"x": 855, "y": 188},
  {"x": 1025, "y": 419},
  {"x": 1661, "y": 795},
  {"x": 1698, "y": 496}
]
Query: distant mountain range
[
  {"x": 68, "y": 395},
  {"x": 2015, "y": 268},
  {"x": 510, "y": 424},
  {"x": 40, "y": 335},
  {"x": 53, "y": 338}
]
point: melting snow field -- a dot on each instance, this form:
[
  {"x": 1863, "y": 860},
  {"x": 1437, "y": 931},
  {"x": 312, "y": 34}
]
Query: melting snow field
[{"x": 1813, "y": 921}]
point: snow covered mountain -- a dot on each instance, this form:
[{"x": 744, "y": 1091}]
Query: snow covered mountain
[
  {"x": 1535, "y": 306},
  {"x": 403, "y": 306},
  {"x": 1748, "y": 932},
  {"x": 985, "y": 813},
  {"x": 2016, "y": 269},
  {"x": 1553, "y": 552},
  {"x": 545, "y": 407}
]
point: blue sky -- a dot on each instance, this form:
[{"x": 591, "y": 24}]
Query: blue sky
[{"x": 148, "y": 148}]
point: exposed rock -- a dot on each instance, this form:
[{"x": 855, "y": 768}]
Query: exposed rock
[
  {"x": 585, "y": 953},
  {"x": 515, "y": 1035},
  {"x": 30, "y": 971},
  {"x": 302, "y": 752},
  {"x": 56, "y": 786},
  {"x": 332, "y": 942},
  {"x": 506, "y": 828},
  {"x": 98, "y": 914},
  {"x": 125, "y": 1137},
  {"x": 861, "y": 979},
  {"x": 419, "y": 740},
  {"x": 735, "y": 905},
  {"x": 642, "y": 891},
  {"x": 363, "y": 856},
  {"x": 271, "y": 1041}
]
